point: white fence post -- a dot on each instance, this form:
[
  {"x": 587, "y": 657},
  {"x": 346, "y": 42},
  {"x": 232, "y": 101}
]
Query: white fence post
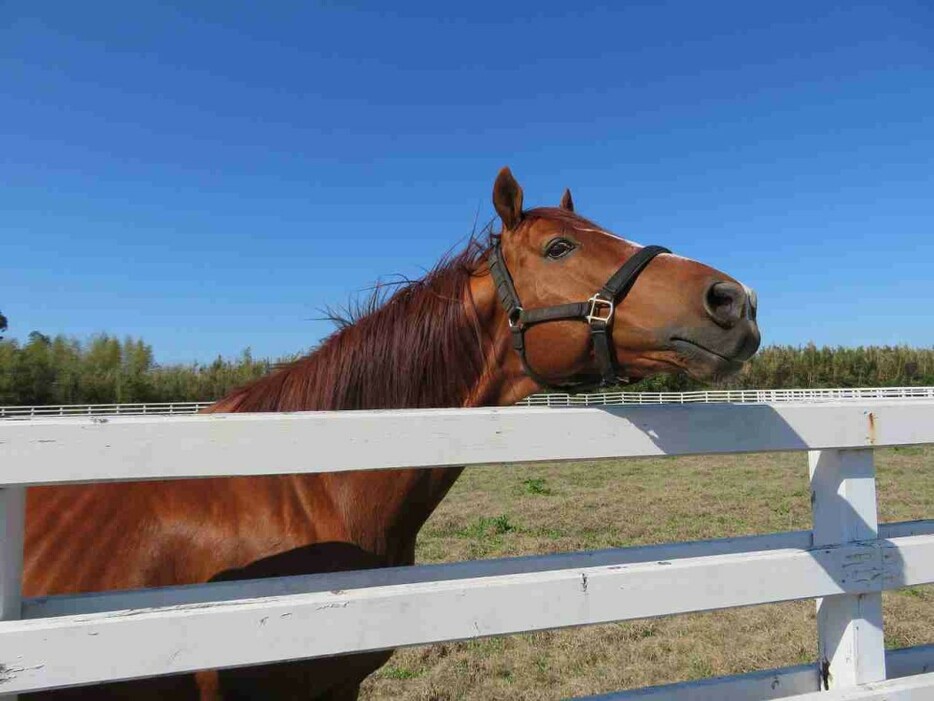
[
  {"x": 12, "y": 514},
  {"x": 851, "y": 648}
]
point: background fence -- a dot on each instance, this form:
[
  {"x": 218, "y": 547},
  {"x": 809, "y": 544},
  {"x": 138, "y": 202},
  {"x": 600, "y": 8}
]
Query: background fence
[
  {"x": 737, "y": 396},
  {"x": 744, "y": 396},
  {"x": 846, "y": 561}
]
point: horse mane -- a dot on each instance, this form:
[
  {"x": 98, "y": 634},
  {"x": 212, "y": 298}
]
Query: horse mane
[{"x": 420, "y": 347}]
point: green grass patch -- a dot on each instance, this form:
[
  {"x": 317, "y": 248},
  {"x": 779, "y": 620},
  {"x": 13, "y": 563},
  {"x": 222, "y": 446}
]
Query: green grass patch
[
  {"x": 401, "y": 673},
  {"x": 537, "y": 485},
  {"x": 487, "y": 527}
]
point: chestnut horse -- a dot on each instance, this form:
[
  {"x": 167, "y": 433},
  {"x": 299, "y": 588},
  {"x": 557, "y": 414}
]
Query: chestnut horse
[{"x": 443, "y": 341}]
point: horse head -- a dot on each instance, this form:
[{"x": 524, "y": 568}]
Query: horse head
[{"x": 584, "y": 307}]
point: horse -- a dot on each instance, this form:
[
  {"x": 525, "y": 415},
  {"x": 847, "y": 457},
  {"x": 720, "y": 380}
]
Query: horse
[{"x": 551, "y": 300}]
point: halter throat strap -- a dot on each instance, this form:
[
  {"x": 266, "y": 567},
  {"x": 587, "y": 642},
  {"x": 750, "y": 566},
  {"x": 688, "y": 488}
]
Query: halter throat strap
[{"x": 598, "y": 312}]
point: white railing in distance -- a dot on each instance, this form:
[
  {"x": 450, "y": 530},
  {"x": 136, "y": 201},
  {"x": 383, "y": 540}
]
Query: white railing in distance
[
  {"x": 737, "y": 396},
  {"x": 141, "y": 409},
  {"x": 173, "y": 631},
  {"x": 744, "y": 396}
]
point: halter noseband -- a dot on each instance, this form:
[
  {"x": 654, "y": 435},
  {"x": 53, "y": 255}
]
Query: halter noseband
[{"x": 597, "y": 312}]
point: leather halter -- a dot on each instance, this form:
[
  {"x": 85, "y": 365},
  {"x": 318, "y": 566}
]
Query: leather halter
[{"x": 597, "y": 311}]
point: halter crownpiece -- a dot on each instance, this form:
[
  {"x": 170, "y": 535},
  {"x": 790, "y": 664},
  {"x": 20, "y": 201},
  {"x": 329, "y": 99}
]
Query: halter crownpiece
[{"x": 598, "y": 312}]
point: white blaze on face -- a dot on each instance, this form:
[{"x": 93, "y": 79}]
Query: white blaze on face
[{"x": 752, "y": 302}]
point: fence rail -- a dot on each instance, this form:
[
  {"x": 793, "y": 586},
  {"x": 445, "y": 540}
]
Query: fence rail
[
  {"x": 739, "y": 396},
  {"x": 846, "y": 561}
]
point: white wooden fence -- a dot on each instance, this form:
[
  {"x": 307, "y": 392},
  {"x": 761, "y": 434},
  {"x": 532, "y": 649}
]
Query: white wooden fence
[
  {"x": 732, "y": 396},
  {"x": 845, "y": 562}
]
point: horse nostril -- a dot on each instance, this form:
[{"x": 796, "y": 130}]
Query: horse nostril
[{"x": 724, "y": 302}]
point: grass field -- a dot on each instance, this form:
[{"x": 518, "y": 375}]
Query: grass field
[{"x": 549, "y": 508}]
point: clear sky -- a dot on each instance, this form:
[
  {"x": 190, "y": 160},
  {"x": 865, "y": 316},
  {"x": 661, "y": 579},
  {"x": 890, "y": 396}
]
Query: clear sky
[{"x": 208, "y": 176}]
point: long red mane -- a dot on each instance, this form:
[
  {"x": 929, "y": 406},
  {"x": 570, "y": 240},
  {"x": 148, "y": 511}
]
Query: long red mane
[{"x": 422, "y": 347}]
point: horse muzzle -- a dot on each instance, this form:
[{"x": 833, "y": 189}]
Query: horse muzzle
[{"x": 719, "y": 349}]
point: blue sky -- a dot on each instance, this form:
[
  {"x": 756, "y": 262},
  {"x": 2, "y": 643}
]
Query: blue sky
[{"x": 208, "y": 176}]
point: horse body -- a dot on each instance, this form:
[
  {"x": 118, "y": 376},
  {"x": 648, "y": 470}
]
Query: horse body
[
  {"x": 189, "y": 531},
  {"x": 441, "y": 341}
]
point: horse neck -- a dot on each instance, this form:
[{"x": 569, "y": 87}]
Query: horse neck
[
  {"x": 382, "y": 511},
  {"x": 385, "y": 510}
]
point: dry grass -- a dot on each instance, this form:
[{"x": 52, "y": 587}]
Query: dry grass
[{"x": 588, "y": 505}]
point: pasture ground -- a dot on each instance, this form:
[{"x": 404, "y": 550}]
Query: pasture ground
[{"x": 545, "y": 508}]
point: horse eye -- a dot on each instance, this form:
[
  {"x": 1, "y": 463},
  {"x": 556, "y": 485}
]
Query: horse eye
[{"x": 558, "y": 248}]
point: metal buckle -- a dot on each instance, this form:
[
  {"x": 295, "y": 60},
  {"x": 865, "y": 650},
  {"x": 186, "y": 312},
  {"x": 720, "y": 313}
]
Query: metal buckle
[
  {"x": 514, "y": 317},
  {"x": 598, "y": 303}
]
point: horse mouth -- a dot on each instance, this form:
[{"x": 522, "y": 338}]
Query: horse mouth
[{"x": 704, "y": 363}]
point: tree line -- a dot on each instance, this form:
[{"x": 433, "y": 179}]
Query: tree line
[
  {"x": 107, "y": 370},
  {"x": 104, "y": 369},
  {"x": 786, "y": 367}
]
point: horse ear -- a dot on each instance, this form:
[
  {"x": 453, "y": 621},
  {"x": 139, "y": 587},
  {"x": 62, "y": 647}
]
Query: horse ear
[
  {"x": 507, "y": 199},
  {"x": 566, "y": 201}
]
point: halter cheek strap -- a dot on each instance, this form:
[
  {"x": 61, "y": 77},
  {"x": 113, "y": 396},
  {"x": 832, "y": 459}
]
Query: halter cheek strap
[{"x": 597, "y": 312}]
